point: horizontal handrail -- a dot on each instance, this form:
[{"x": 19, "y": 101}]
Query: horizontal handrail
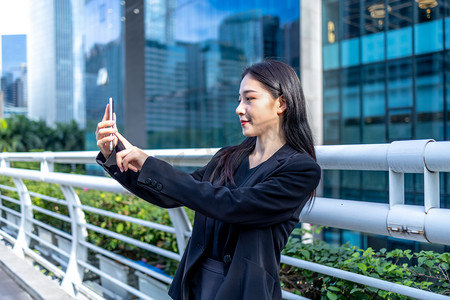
[
  {"x": 426, "y": 223},
  {"x": 367, "y": 157}
]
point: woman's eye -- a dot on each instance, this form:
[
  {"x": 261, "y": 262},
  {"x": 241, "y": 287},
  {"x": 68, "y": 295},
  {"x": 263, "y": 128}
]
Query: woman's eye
[{"x": 249, "y": 98}]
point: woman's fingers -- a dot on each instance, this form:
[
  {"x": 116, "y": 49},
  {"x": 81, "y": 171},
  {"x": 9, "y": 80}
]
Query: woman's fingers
[
  {"x": 124, "y": 141},
  {"x": 131, "y": 159},
  {"x": 120, "y": 159}
]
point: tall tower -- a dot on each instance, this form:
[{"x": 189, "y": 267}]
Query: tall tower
[
  {"x": 14, "y": 55},
  {"x": 50, "y": 61}
]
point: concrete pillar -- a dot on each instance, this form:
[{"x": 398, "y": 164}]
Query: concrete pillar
[{"x": 311, "y": 63}]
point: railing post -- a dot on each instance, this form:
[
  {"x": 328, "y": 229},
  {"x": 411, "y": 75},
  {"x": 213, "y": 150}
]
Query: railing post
[
  {"x": 396, "y": 188},
  {"x": 74, "y": 272},
  {"x": 431, "y": 189},
  {"x": 26, "y": 212},
  {"x": 182, "y": 225},
  {"x": 46, "y": 165},
  {"x": 3, "y": 162}
]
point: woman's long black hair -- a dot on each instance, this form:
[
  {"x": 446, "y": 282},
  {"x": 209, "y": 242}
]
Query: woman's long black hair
[{"x": 279, "y": 79}]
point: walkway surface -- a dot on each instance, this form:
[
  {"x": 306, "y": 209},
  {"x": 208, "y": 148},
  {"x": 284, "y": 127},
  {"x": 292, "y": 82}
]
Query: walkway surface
[{"x": 19, "y": 280}]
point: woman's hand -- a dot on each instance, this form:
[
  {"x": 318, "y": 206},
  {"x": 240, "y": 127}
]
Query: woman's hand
[
  {"x": 105, "y": 133},
  {"x": 131, "y": 158}
]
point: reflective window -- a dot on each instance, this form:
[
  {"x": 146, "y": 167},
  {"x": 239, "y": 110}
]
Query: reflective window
[
  {"x": 330, "y": 22},
  {"x": 351, "y": 185},
  {"x": 428, "y": 37},
  {"x": 331, "y": 180},
  {"x": 330, "y": 34},
  {"x": 372, "y": 48},
  {"x": 350, "y": 19},
  {"x": 430, "y": 10},
  {"x": 399, "y": 42},
  {"x": 447, "y": 33},
  {"x": 350, "y": 79},
  {"x": 195, "y": 53},
  {"x": 447, "y": 97},
  {"x": 350, "y": 52},
  {"x": 331, "y": 92},
  {"x": 400, "y": 14},
  {"x": 400, "y": 124},
  {"x": 373, "y": 97},
  {"x": 331, "y": 107},
  {"x": 330, "y": 56},
  {"x": 400, "y": 83},
  {"x": 430, "y": 96},
  {"x": 374, "y": 16}
]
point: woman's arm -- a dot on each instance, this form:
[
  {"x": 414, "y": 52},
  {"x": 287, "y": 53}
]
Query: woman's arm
[
  {"x": 272, "y": 201},
  {"x": 129, "y": 180}
]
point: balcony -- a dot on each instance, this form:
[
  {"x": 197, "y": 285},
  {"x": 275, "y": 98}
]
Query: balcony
[{"x": 68, "y": 253}]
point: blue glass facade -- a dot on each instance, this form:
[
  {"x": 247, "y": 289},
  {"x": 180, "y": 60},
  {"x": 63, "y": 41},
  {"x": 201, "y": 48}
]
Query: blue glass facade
[
  {"x": 104, "y": 62},
  {"x": 14, "y": 58},
  {"x": 195, "y": 52},
  {"x": 385, "y": 74}
]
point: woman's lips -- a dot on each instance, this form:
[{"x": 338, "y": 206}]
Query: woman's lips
[{"x": 243, "y": 122}]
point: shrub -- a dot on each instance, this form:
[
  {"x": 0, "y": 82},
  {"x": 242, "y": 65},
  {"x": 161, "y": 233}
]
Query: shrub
[{"x": 425, "y": 270}]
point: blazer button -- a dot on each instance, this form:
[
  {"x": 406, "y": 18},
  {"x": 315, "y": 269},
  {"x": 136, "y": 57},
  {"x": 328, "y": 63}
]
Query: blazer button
[
  {"x": 147, "y": 181},
  {"x": 153, "y": 183},
  {"x": 227, "y": 259},
  {"x": 159, "y": 187}
]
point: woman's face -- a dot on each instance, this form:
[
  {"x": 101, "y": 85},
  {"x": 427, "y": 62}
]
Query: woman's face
[{"x": 259, "y": 112}]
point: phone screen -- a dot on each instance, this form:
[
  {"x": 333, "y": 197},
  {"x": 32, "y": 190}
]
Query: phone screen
[{"x": 111, "y": 111}]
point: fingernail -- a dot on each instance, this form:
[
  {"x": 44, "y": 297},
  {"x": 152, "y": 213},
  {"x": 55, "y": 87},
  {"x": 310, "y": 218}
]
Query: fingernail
[{"x": 121, "y": 170}]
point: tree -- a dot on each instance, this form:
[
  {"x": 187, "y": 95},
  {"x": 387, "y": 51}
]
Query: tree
[{"x": 20, "y": 134}]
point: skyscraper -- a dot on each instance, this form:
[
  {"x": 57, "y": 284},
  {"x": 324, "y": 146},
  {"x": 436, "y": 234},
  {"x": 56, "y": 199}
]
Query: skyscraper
[
  {"x": 51, "y": 61},
  {"x": 14, "y": 55},
  {"x": 386, "y": 78}
]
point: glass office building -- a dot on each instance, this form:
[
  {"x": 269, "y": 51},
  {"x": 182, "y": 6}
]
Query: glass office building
[
  {"x": 104, "y": 62},
  {"x": 385, "y": 78},
  {"x": 195, "y": 52}
]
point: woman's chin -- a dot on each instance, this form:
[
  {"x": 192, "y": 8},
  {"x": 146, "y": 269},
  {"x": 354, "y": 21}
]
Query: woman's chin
[{"x": 247, "y": 133}]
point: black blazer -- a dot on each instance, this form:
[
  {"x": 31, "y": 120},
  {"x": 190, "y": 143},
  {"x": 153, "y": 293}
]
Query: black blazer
[{"x": 265, "y": 210}]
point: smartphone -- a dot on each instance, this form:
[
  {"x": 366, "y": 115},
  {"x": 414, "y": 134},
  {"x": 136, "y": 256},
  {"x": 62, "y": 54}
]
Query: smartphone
[{"x": 111, "y": 112}]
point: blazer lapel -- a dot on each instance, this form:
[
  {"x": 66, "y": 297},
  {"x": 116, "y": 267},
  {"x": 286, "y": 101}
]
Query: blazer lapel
[{"x": 270, "y": 165}]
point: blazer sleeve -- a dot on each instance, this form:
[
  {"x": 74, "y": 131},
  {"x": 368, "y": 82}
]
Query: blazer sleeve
[
  {"x": 129, "y": 180},
  {"x": 269, "y": 202}
]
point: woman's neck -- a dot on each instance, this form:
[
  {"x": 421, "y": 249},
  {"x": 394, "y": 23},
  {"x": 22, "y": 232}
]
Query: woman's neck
[{"x": 265, "y": 147}]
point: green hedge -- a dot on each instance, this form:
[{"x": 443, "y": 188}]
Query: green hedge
[{"x": 425, "y": 270}]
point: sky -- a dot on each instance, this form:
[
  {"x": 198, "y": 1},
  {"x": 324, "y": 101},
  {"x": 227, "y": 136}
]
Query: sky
[{"x": 13, "y": 19}]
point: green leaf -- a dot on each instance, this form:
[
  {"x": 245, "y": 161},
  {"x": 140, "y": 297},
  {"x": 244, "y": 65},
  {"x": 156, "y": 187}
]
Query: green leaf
[
  {"x": 429, "y": 263},
  {"x": 421, "y": 260},
  {"x": 306, "y": 254},
  {"x": 354, "y": 290},
  {"x": 362, "y": 267},
  {"x": 333, "y": 288},
  {"x": 331, "y": 295},
  {"x": 119, "y": 227}
]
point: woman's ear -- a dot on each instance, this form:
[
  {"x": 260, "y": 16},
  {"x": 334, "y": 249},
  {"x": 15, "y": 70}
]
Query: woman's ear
[{"x": 281, "y": 104}]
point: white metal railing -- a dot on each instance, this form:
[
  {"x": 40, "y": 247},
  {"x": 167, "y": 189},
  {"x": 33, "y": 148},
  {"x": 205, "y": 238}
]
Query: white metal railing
[{"x": 427, "y": 223}]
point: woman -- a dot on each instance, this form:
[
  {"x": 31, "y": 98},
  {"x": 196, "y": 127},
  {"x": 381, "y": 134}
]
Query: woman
[{"x": 247, "y": 199}]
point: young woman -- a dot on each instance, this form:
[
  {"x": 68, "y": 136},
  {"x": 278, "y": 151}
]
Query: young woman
[{"x": 247, "y": 199}]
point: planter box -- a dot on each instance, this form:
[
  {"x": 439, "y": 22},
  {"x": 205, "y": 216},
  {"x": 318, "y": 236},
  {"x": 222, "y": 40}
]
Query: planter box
[
  {"x": 13, "y": 219},
  {"x": 46, "y": 236},
  {"x": 152, "y": 287},
  {"x": 117, "y": 271},
  {"x": 64, "y": 245}
]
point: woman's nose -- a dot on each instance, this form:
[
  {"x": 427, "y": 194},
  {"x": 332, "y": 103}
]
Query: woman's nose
[{"x": 240, "y": 110}]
